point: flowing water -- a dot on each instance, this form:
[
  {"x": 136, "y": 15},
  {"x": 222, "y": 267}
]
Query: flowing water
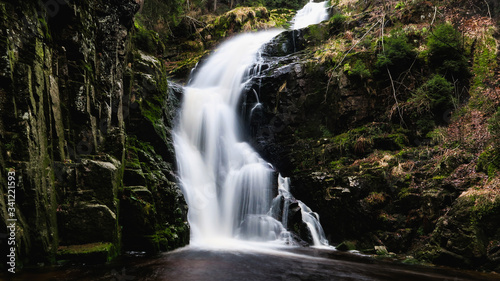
[
  {"x": 227, "y": 185},
  {"x": 311, "y": 13},
  {"x": 228, "y": 188}
]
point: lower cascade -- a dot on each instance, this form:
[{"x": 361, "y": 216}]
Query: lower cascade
[{"x": 227, "y": 185}]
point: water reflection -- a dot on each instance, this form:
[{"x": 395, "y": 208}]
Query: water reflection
[{"x": 295, "y": 264}]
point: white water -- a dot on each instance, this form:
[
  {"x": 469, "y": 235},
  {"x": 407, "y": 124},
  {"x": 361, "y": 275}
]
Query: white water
[
  {"x": 311, "y": 13},
  {"x": 280, "y": 206},
  {"x": 227, "y": 185}
]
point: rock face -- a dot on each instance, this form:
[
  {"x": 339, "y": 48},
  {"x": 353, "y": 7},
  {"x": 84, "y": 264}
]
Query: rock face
[
  {"x": 378, "y": 178},
  {"x": 85, "y": 123}
]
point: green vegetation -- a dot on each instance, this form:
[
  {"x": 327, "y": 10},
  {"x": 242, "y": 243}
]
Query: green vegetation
[
  {"x": 146, "y": 40},
  {"x": 396, "y": 56},
  {"x": 359, "y": 69},
  {"x": 337, "y": 19},
  {"x": 447, "y": 54},
  {"x": 489, "y": 160},
  {"x": 88, "y": 253},
  {"x": 439, "y": 91},
  {"x": 293, "y": 4},
  {"x": 158, "y": 15}
]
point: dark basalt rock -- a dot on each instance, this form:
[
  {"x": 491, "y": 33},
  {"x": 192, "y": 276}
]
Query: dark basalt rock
[{"x": 74, "y": 95}]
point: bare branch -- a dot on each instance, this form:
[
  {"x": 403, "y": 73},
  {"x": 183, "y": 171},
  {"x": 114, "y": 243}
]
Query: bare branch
[
  {"x": 395, "y": 98},
  {"x": 487, "y": 5}
]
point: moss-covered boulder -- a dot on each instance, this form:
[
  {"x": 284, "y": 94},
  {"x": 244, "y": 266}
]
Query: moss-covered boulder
[{"x": 468, "y": 235}]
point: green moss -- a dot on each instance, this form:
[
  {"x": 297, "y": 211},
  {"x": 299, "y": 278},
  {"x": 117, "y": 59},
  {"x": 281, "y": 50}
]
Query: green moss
[
  {"x": 45, "y": 28},
  {"x": 337, "y": 19},
  {"x": 315, "y": 34},
  {"x": 489, "y": 162},
  {"x": 183, "y": 67},
  {"x": 347, "y": 246},
  {"x": 338, "y": 164},
  {"x": 483, "y": 206},
  {"x": 88, "y": 253},
  {"x": 169, "y": 237},
  {"x": 485, "y": 59},
  {"x": 146, "y": 40}
]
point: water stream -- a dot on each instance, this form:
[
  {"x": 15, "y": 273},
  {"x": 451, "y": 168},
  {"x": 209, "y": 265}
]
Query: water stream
[
  {"x": 227, "y": 185},
  {"x": 228, "y": 188}
]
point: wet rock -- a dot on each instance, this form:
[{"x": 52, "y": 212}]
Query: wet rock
[
  {"x": 297, "y": 225},
  {"x": 133, "y": 177},
  {"x": 87, "y": 223},
  {"x": 68, "y": 104},
  {"x": 466, "y": 235},
  {"x": 99, "y": 178}
]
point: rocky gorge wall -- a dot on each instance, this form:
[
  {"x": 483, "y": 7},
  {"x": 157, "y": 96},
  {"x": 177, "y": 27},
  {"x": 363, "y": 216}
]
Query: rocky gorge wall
[
  {"x": 85, "y": 124},
  {"x": 365, "y": 145}
]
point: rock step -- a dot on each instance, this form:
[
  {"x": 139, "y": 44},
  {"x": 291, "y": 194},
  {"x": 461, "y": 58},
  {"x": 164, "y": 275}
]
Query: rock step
[{"x": 93, "y": 253}]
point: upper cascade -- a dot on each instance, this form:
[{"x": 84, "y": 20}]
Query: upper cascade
[{"x": 311, "y": 13}]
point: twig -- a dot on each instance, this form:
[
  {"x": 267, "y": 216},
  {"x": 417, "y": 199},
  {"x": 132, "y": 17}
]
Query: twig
[
  {"x": 487, "y": 5},
  {"x": 196, "y": 21},
  {"x": 435, "y": 11},
  {"x": 394, "y": 94},
  {"x": 407, "y": 72}
]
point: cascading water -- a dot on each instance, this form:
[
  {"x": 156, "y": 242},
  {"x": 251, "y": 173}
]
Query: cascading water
[
  {"x": 227, "y": 185},
  {"x": 311, "y": 13}
]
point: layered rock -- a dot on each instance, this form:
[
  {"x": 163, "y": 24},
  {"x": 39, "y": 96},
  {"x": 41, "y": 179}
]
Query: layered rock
[
  {"x": 379, "y": 178},
  {"x": 75, "y": 103}
]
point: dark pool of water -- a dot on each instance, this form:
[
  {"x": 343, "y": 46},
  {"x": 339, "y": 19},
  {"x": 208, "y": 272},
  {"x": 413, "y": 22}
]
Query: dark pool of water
[{"x": 294, "y": 264}]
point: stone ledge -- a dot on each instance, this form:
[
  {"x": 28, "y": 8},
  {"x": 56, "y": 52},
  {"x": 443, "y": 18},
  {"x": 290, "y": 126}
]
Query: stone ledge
[{"x": 93, "y": 253}]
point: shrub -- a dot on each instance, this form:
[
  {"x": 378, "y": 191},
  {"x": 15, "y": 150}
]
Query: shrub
[
  {"x": 397, "y": 56},
  {"x": 359, "y": 69},
  {"x": 425, "y": 109},
  {"x": 337, "y": 19},
  {"x": 440, "y": 92},
  {"x": 446, "y": 52}
]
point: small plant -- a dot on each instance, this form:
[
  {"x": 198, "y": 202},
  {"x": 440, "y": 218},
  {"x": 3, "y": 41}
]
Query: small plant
[
  {"x": 325, "y": 132},
  {"x": 359, "y": 69},
  {"x": 400, "y": 5},
  {"x": 337, "y": 19}
]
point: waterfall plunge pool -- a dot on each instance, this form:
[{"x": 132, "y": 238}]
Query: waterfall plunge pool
[{"x": 292, "y": 264}]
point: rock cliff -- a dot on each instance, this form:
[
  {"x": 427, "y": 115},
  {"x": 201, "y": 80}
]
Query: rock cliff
[{"x": 85, "y": 125}]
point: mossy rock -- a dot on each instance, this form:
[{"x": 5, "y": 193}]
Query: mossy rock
[
  {"x": 489, "y": 162},
  {"x": 347, "y": 245},
  {"x": 464, "y": 237},
  {"x": 93, "y": 253}
]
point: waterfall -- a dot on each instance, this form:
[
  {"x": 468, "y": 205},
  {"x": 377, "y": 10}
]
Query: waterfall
[
  {"x": 311, "y": 13},
  {"x": 226, "y": 184}
]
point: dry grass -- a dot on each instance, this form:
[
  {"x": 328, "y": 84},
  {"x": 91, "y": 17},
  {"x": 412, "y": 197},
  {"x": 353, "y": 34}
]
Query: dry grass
[{"x": 490, "y": 191}]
